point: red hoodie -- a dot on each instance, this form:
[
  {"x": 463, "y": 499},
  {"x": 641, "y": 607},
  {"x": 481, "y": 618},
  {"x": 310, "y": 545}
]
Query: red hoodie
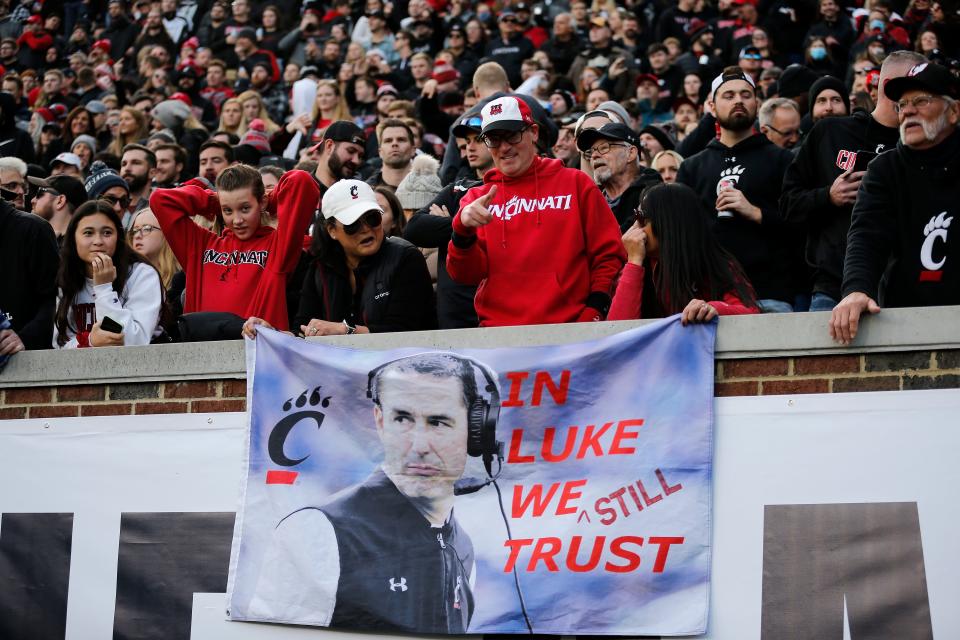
[
  {"x": 243, "y": 277},
  {"x": 552, "y": 242}
]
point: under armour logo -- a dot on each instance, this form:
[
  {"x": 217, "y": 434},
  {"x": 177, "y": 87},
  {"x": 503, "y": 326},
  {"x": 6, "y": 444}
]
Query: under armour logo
[
  {"x": 402, "y": 585},
  {"x": 354, "y": 192},
  {"x": 496, "y": 109}
]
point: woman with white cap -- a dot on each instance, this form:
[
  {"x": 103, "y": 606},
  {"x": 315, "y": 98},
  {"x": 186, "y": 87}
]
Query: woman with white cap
[{"x": 360, "y": 281}]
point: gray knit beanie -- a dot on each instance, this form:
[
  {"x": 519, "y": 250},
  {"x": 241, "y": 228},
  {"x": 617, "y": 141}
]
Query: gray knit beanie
[
  {"x": 172, "y": 113},
  {"x": 418, "y": 189},
  {"x": 90, "y": 141}
]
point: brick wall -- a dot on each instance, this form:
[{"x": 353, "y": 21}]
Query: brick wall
[{"x": 745, "y": 377}]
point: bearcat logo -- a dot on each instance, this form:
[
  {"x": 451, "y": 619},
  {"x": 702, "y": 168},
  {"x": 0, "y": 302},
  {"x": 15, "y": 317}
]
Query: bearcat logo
[
  {"x": 496, "y": 109},
  {"x": 936, "y": 229},
  {"x": 354, "y": 192},
  {"x": 281, "y": 431}
]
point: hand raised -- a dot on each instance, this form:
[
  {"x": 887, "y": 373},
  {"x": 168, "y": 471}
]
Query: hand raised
[{"x": 476, "y": 213}]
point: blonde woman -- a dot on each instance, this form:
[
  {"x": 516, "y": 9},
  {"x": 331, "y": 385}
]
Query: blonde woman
[
  {"x": 252, "y": 105},
  {"x": 131, "y": 127},
  {"x": 146, "y": 238},
  {"x": 232, "y": 119},
  {"x": 330, "y": 106}
]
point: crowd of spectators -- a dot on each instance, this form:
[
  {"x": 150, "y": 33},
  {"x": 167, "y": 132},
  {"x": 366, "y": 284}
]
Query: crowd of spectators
[{"x": 193, "y": 169}]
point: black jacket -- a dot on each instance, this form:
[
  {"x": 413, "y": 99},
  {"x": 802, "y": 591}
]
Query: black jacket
[
  {"x": 394, "y": 291},
  {"x": 455, "y": 308},
  {"x": 901, "y": 223},
  {"x": 562, "y": 54},
  {"x": 755, "y": 166},
  {"x": 829, "y": 150},
  {"x": 29, "y": 258},
  {"x": 14, "y": 141},
  {"x": 510, "y": 54},
  {"x": 625, "y": 206},
  {"x": 384, "y": 543}
]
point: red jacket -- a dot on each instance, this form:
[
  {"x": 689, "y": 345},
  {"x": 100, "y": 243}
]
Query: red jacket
[
  {"x": 243, "y": 277},
  {"x": 629, "y": 297},
  {"x": 36, "y": 42},
  {"x": 553, "y": 241}
]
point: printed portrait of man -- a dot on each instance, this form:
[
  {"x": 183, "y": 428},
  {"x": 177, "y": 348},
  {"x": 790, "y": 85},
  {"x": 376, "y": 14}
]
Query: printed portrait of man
[{"x": 388, "y": 553}]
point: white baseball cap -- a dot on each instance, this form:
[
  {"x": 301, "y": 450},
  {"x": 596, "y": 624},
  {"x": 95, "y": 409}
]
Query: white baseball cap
[
  {"x": 68, "y": 158},
  {"x": 347, "y": 200},
  {"x": 505, "y": 114}
]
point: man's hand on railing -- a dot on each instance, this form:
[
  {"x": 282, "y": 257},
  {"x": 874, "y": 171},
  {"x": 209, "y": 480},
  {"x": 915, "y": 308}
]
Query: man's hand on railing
[{"x": 845, "y": 320}]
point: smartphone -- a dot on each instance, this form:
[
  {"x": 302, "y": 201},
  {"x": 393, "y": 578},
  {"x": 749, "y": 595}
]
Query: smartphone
[
  {"x": 111, "y": 325},
  {"x": 863, "y": 159}
]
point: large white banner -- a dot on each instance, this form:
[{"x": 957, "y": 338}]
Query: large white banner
[{"x": 834, "y": 518}]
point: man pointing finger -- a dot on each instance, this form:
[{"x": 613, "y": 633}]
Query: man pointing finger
[{"x": 539, "y": 239}]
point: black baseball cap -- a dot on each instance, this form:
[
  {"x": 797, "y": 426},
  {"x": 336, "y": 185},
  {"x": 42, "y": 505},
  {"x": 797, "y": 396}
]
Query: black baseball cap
[
  {"x": 67, "y": 186},
  {"x": 345, "y": 131},
  {"x": 610, "y": 131},
  {"x": 468, "y": 125},
  {"x": 927, "y": 76}
]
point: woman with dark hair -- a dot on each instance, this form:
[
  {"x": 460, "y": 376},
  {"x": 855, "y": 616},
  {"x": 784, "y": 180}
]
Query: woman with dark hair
[
  {"x": 476, "y": 37},
  {"x": 79, "y": 122},
  {"x": 393, "y": 218},
  {"x": 360, "y": 281},
  {"x": 101, "y": 278},
  {"x": 675, "y": 264}
]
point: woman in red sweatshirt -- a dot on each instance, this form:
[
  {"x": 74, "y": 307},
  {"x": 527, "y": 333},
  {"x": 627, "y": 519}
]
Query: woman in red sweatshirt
[
  {"x": 244, "y": 270},
  {"x": 675, "y": 265}
]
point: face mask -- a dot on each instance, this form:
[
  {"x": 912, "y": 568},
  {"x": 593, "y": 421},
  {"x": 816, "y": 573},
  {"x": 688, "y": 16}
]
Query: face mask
[
  {"x": 876, "y": 25},
  {"x": 879, "y": 54},
  {"x": 818, "y": 53},
  {"x": 483, "y": 17}
]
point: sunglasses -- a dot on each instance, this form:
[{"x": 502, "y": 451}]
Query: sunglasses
[
  {"x": 42, "y": 191},
  {"x": 113, "y": 200},
  {"x": 371, "y": 219}
]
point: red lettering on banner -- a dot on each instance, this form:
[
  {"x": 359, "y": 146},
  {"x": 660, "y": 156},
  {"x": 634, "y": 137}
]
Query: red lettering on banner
[
  {"x": 543, "y": 380},
  {"x": 663, "y": 483},
  {"x": 275, "y": 476},
  {"x": 545, "y": 550},
  {"x": 623, "y": 553},
  {"x": 621, "y": 434},
  {"x": 608, "y": 514},
  {"x": 514, "y": 456},
  {"x": 516, "y": 385},
  {"x": 662, "y": 552},
  {"x": 632, "y": 558},
  {"x": 515, "y": 547},
  {"x": 568, "y": 494},
  {"x": 541, "y": 502},
  {"x": 591, "y": 440},
  {"x": 574, "y": 553},
  {"x": 548, "y": 434}
]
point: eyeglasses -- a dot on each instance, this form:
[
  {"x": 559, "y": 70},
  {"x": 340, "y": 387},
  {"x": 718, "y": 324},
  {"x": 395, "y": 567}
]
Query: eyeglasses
[
  {"x": 509, "y": 21},
  {"x": 494, "y": 141},
  {"x": 124, "y": 202},
  {"x": 475, "y": 122},
  {"x": 602, "y": 149},
  {"x": 18, "y": 187},
  {"x": 144, "y": 230},
  {"x": 371, "y": 219},
  {"x": 786, "y": 134},
  {"x": 919, "y": 103}
]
